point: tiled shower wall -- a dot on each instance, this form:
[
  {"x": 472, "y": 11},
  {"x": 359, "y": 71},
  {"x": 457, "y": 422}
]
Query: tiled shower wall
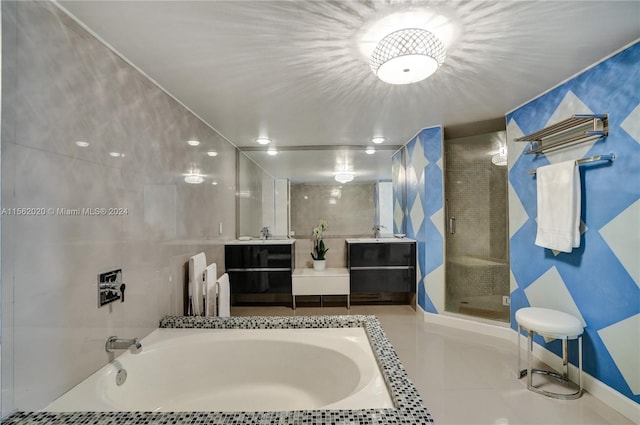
[
  {"x": 60, "y": 85},
  {"x": 476, "y": 196}
]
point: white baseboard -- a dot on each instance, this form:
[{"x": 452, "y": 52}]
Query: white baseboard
[
  {"x": 483, "y": 328},
  {"x": 596, "y": 388}
]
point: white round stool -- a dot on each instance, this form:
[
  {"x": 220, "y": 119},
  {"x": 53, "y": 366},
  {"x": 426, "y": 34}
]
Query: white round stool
[{"x": 551, "y": 324}]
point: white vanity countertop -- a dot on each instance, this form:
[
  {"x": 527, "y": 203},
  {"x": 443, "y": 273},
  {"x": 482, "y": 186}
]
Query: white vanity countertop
[
  {"x": 262, "y": 242},
  {"x": 384, "y": 239}
]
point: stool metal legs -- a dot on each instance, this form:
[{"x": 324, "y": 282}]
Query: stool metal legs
[{"x": 529, "y": 371}]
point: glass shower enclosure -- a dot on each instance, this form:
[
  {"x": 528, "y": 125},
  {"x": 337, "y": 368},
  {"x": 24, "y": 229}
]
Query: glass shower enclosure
[{"x": 477, "y": 243}]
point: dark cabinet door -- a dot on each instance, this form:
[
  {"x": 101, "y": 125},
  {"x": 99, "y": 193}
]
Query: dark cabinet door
[
  {"x": 258, "y": 256},
  {"x": 381, "y": 254},
  {"x": 383, "y": 280},
  {"x": 260, "y": 268},
  {"x": 260, "y": 282},
  {"x": 382, "y": 267}
]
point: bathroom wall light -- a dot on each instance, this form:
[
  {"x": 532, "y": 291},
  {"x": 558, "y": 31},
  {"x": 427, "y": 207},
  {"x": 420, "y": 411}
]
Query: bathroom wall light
[
  {"x": 212, "y": 153},
  {"x": 407, "y": 56},
  {"x": 82, "y": 144},
  {"x": 193, "y": 142},
  {"x": 500, "y": 159},
  {"x": 370, "y": 150},
  {"x": 263, "y": 141},
  {"x": 377, "y": 140},
  {"x": 344, "y": 177}
]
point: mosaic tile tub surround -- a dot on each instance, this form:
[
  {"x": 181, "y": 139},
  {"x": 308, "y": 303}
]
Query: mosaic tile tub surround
[{"x": 409, "y": 408}]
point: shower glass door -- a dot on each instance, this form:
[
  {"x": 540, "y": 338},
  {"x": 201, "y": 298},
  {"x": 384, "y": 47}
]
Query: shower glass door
[{"x": 477, "y": 250}]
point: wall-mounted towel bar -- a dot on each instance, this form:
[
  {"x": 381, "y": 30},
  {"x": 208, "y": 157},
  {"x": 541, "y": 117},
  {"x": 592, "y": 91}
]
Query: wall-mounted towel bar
[
  {"x": 572, "y": 130},
  {"x": 605, "y": 157}
]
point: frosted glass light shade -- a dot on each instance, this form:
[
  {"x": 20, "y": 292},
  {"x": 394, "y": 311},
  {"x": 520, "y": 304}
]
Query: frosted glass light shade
[
  {"x": 193, "y": 179},
  {"x": 407, "y": 56}
]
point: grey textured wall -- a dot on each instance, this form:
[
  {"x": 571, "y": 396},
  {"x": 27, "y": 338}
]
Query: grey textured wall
[{"x": 60, "y": 85}]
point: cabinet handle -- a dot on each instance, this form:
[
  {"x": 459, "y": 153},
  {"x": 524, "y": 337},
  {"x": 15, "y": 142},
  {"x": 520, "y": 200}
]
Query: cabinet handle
[
  {"x": 262, "y": 269},
  {"x": 452, "y": 225},
  {"x": 381, "y": 268}
]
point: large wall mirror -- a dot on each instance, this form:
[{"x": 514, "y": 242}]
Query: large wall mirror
[{"x": 295, "y": 188}]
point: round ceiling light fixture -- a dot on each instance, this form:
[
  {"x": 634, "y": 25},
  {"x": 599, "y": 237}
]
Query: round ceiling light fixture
[
  {"x": 212, "y": 153},
  {"x": 407, "y": 56},
  {"x": 377, "y": 140},
  {"x": 344, "y": 177},
  {"x": 272, "y": 152},
  {"x": 193, "y": 142},
  {"x": 370, "y": 150}
]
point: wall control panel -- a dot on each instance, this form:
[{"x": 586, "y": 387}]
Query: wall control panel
[{"x": 110, "y": 287}]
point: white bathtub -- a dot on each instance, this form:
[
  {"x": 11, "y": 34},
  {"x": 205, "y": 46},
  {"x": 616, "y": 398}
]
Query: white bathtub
[{"x": 235, "y": 370}]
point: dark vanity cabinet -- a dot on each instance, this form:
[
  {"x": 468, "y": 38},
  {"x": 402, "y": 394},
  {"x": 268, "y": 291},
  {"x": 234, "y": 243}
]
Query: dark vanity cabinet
[
  {"x": 260, "y": 268},
  {"x": 380, "y": 266}
]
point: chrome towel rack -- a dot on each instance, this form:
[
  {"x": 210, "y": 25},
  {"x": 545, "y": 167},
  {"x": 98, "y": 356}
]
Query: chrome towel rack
[
  {"x": 571, "y": 130},
  {"x": 604, "y": 157}
]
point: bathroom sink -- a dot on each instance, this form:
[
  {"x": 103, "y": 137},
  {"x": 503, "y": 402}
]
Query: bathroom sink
[
  {"x": 262, "y": 242},
  {"x": 383, "y": 239}
]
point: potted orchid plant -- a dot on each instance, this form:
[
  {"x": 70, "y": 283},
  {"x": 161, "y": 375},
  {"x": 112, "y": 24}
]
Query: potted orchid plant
[{"x": 319, "y": 248}]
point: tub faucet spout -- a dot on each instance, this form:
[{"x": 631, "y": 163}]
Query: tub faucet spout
[{"x": 114, "y": 343}]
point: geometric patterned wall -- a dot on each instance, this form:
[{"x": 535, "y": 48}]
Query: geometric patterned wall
[
  {"x": 420, "y": 211},
  {"x": 600, "y": 281}
]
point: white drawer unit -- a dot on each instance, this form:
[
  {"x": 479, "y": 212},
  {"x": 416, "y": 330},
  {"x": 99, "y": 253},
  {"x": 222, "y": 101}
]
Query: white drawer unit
[{"x": 332, "y": 281}]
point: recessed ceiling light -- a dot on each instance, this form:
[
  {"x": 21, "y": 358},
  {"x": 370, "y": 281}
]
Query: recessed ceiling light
[
  {"x": 212, "y": 153},
  {"x": 193, "y": 142},
  {"x": 116, "y": 154},
  {"x": 377, "y": 140},
  {"x": 272, "y": 152},
  {"x": 370, "y": 150},
  {"x": 263, "y": 141},
  {"x": 214, "y": 183},
  {"x": 82, "y": 144}
]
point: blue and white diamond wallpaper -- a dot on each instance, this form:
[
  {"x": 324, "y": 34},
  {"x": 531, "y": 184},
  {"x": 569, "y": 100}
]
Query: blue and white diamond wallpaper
[
  {"x": 422, "y": 215},
  {"x": 600, "y": 281}
]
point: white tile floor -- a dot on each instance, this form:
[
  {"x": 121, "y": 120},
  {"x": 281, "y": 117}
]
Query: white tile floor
[{"x": 463, "y": 378}]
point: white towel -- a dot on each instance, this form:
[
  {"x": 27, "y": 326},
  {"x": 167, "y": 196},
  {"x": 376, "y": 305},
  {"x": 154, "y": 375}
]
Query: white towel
[
  {"x": 224, "y": 310},
  {"x": 197, "y": 264},
  {"x": 559, "y": 198},
  {"x": 210, "y": 276}
]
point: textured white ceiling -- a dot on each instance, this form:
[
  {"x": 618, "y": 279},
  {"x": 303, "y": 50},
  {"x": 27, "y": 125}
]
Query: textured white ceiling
[{"x": 295, "y": 71}]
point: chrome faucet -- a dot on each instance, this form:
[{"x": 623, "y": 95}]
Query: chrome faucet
[
  {"x": 265, "y": 232},
  {"x": 114, "y": 343},
  {"x": 376, "y": 230}
]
